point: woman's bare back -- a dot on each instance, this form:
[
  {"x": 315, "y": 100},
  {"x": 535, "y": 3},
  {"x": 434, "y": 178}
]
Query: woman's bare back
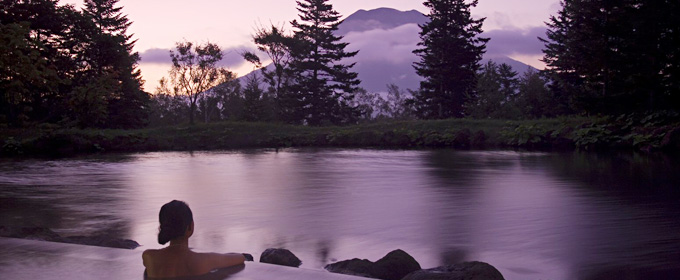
[{"x": 180, "y": 261}]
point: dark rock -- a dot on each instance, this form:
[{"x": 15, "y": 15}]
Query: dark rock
[
  {"x": 629, "y": 272},
  {"x": 46, "y": 234},
  {"x": 390, "y": 138},
  {"x": 121, "y": 243},
  {"x": 280, "y": 257},
  {"x": 461, "y": 271},
  {"x": 453, "y": 256},
  {"x": 357, "y": 267},
  {"x": 33, "y": 233},
  {"x": 462, "y": 139},
  {"x": 102, "y": 241},
  {"x": 249, "y": 257},
  {"x": 366, "y": 138},
  {"x": 479, "y": 139},
  {"x": 393, "y": 266},
  {"x": 671, "y": 141},
  {"x": 432, "y": 139},
  {"x": 321, "y": 140}
]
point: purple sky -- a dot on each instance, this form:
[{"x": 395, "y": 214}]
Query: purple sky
[{"x": 158, "y": 24}]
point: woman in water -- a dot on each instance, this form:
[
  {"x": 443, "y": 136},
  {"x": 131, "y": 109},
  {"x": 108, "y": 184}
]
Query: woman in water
[{"x": 177, "y": 260}]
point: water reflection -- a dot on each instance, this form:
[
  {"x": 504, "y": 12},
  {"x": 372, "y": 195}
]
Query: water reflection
[{"x": 532, "y": 215}]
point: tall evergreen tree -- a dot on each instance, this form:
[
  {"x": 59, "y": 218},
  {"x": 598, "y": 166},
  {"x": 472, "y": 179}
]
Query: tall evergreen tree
[
  {"x": 496, "y": 93},
  {"x": 508, "y": 81},
  {"x": 111, "y": 54},
  {"x": 35, "y": 37},
  {"x": 612, "y": 56},
  {"x": 488, "y": 97},
  {"x": 322, "y": 88},
  {"x": 21, "y": 67},
  {"x": 253, "y": 109},
  {"x": 449, "y": 58},
  {"x": 534, "y": 99}
]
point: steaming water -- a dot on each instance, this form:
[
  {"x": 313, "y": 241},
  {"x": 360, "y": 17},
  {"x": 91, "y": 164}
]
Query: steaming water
[{"x": 531, "y": 215}]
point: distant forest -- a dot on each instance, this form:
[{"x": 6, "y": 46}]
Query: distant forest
[
  {"x": 77, "y": 68},
  {"x": 68, "y": 67}
]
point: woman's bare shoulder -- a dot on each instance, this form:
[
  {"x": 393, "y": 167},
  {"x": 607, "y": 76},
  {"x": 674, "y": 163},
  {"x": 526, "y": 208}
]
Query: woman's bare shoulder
[{"x": 150, "y": 253}]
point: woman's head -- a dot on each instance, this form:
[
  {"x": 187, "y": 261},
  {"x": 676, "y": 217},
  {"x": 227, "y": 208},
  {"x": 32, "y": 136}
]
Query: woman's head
[{"x": 175, "y": 218}]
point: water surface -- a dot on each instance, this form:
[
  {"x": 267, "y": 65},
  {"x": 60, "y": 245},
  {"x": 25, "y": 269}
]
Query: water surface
[{"x": 532, "y": 215}]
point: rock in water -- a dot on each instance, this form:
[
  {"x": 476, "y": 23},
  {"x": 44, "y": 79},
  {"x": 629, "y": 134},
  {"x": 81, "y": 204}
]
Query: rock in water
[
  {"x": 393, "y": 266},
  {"x": 671, "y": 141},
  {"x": 249, "y": 257},
  {"x": 33, "y": 233},
  {"x": 461, "y": 271},
  {"x": 280, "y": 257},
  {"x": 102, "y": 241},
  {"x": 357, "y": 267},
  {"x": 46, "y": 234}
]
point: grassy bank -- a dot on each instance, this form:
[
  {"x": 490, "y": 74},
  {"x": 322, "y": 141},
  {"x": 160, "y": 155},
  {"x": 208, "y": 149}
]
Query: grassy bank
[{"x": 562, "y": 134}]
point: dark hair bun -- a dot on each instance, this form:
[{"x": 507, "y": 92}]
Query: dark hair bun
[{"x": 175, "y": 218}]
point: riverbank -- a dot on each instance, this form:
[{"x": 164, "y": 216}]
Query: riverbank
[
  {"x": 46, "y": 234},
  {"x": 651, "y": 133}
]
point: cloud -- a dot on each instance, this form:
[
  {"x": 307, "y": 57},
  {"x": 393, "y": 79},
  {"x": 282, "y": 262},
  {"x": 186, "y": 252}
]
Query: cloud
[
  {"x": 500, "y": 19},
  {"x": 232, "y": 56},
  {"x": 156, "y": 56},
  {"x": 392, "y": 46},
  {"x": 507, "y": 42},
  {"x": 386, "y": 55},
  {"x": 396, "y": 45}
]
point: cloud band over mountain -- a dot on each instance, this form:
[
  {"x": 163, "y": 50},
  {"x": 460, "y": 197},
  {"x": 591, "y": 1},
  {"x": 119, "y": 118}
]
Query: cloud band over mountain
[
  {"x": 385, "y": 39},
  {"x": 515, "y": 41},
  {"x": 232, "y": 56}
]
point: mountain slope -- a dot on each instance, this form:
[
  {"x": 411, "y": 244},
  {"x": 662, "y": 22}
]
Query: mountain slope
[
  {"x": 385, "y": 39},
  {"x": 381, "y": 18}
]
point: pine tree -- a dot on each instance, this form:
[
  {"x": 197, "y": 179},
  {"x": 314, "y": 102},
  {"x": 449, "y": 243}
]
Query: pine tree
[
  {"x": 488, "y": 97},
  {"x": 35, "y": 37},
  {"x": 322, "y": 88},
  {"x": 253, "y": 99},
  {"x": 612, "y": 56},
  {"x": 111, "y": 54},
  {"x": 534, "y": 99},
  {"x": 508, "y": 81},
  {"x": 449, "y": 59}
]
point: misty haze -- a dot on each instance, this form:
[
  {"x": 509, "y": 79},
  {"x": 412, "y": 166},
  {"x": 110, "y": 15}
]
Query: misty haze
[{"x": 325, "y": 139}]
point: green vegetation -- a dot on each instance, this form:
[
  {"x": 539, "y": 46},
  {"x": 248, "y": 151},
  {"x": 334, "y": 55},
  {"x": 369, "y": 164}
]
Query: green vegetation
[
  {"x": 194, "y": 71},
  {"x": 65, "y": 72},
  {"x": 449, "y": 59},
  {"x": 75, "y": 68},
  {"x": 649, "y": 133},
  {"x": 309, "y": 82},
  {"x": 614, "y": 57}
]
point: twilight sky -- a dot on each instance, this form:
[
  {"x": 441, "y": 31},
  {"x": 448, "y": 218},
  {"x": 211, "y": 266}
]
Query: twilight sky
[{"x": 158, "y": 24}]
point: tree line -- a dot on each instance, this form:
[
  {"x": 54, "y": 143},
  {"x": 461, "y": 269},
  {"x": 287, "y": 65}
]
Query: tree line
[
  {"x": 602, "y": 57},
  {"x": 70, "y": 67}
]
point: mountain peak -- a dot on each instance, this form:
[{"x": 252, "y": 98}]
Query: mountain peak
[
  {"x": 385, "y": 39},
  {"x": 380, "y": 18}
]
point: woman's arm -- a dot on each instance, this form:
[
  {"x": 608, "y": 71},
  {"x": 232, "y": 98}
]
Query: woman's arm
[{"x": 214, "y": 261}]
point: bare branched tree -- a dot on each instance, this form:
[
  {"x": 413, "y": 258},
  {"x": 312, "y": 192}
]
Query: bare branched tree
[{"x": 194, "y": 71}]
